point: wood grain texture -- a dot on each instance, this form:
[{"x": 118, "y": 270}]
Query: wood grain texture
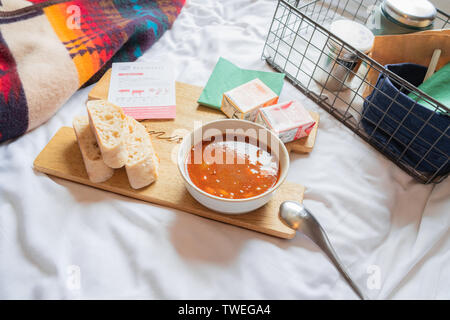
[{"x": 62, "y": 158}]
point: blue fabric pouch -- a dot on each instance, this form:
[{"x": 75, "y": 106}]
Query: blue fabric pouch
[{"x": 405, "y": 129}]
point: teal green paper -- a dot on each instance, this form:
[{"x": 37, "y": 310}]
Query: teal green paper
[
  {"x": 227, "y": 76},
  {"x": 437, "y": 87}
]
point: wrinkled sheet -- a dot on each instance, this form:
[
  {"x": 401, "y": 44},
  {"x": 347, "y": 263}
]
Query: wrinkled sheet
[{"x": 59, "y": 239}]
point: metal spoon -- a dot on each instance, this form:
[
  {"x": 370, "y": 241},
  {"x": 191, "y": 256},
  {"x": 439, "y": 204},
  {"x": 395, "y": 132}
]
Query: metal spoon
[{"x": 296, "y": 216}]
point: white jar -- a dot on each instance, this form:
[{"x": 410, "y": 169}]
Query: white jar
[{"x": 337, "y": 64}]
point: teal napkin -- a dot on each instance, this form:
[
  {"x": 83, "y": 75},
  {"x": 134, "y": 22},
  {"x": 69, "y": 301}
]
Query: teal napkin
[
  {"x": 227, "y": 76},
  {"x": 437, "y": 87}
]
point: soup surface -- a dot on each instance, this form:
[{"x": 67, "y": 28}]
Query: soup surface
[{"x": 232, "y": 169}]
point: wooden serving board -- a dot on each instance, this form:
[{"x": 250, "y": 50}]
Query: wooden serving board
[{"x": 62, "y": 158}]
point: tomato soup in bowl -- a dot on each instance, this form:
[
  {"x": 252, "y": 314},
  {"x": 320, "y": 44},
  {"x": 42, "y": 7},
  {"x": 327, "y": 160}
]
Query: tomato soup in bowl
[
  {"x": 232, "y": 166},
  {"x": 232, "y": 169}
]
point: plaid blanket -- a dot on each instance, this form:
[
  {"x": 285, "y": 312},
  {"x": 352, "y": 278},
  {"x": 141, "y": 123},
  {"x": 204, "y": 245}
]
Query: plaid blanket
[{"x": 49, "y": 49}]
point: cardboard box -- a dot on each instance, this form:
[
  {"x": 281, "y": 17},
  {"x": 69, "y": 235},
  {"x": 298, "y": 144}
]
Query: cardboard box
[
  {"x": 244, "y": 101},
  {"x": 290, "y": 120}
]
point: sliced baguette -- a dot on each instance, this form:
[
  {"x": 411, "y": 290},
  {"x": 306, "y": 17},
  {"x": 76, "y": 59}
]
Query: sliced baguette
[
  {"x": 96, "y": 169},
  {"x": 108, "y": 124},
  {"x": 142, "y": 163}
]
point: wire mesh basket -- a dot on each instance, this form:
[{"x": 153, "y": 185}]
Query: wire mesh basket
[{"x": 412, "y": 136}]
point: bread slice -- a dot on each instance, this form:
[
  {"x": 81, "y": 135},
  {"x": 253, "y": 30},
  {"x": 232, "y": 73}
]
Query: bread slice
[
  {"x": 96, "y": 169},
  {"x": 108, "y": 124},
  {"x": 142, "y": 163}
]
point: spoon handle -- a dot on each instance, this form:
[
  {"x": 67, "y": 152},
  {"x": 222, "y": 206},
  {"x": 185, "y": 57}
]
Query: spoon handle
[{"x": 321, "y": 239}]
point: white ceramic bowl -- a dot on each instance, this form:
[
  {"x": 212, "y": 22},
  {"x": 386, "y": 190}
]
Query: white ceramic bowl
[{"x": 232, "y": 206}]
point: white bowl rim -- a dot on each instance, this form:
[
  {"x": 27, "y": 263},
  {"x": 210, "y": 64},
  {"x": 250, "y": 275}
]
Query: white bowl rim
[{"x": 270, "y": 190}]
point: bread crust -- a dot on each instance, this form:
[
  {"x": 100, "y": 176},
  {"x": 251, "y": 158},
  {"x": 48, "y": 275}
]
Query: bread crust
[
  {"x": 96, "y": 169},
  {"x": 142, "y": 168}
]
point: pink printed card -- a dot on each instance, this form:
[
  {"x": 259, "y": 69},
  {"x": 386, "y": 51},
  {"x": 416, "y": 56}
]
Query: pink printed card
[{"x": 144, "y": 90}]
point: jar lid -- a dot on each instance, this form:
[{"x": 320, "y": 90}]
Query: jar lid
[
  {"x": 355, "y": 34},
  {"x": 414, "y": 13}
]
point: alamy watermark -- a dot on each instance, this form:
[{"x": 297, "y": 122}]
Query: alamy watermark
[
  {"x": 73, "y": 277},
  {"x": 73, "y": 20},
  {"x": 373, "y": 281},
  {"x": 255, "y": 136}
]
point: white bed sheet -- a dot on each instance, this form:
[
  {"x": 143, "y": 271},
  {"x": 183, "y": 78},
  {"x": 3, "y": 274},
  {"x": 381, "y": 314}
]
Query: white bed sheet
[{"x": 59, "y": 239}]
